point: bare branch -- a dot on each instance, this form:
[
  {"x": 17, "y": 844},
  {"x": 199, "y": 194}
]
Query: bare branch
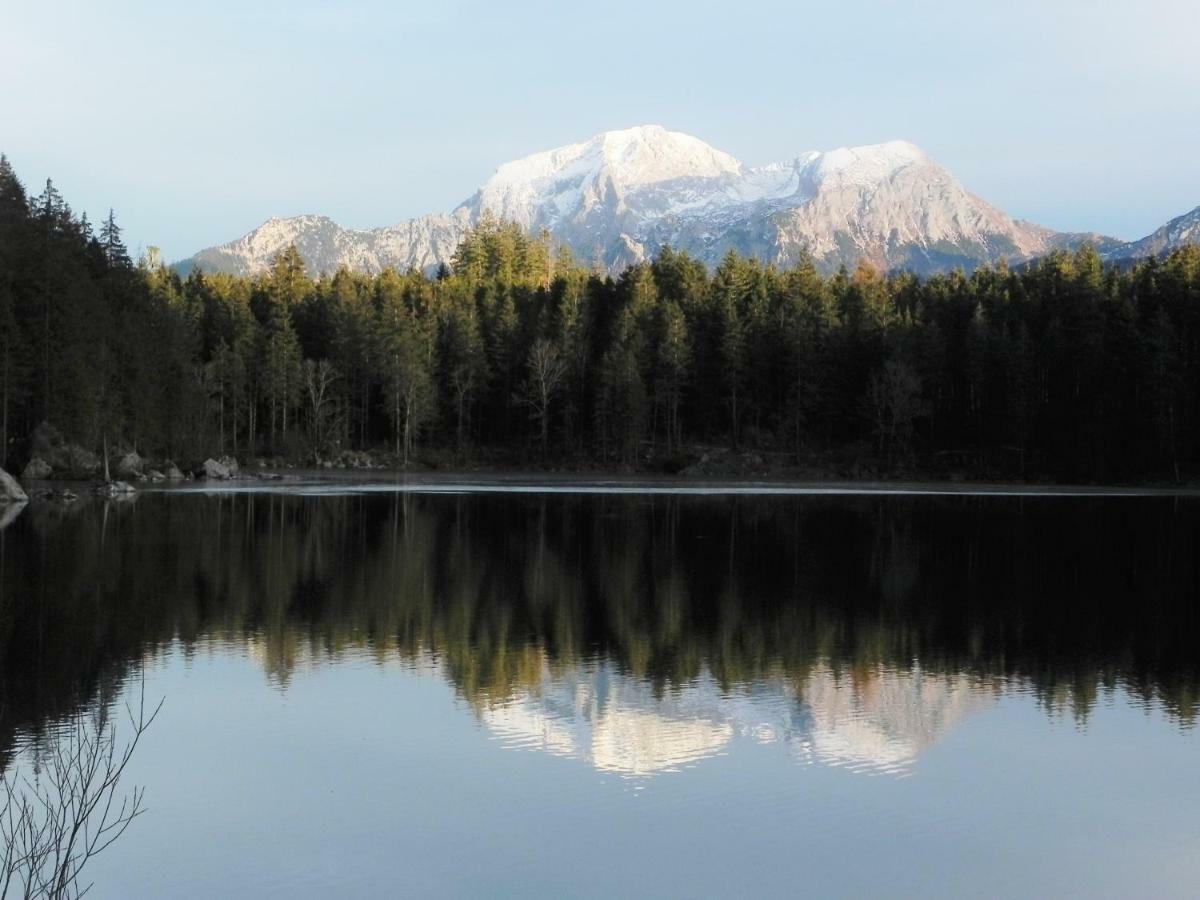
[{"x": 71, "y": 809}]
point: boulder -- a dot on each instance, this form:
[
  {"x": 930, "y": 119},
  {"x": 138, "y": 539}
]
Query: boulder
[
  {"x": 214, "y": 470},
  {"x": 172, "y": 472},
  {"x": 9, "y": 512},
  {"x": 155, "y": 475},
  {"x": 230, "y": 464},
  {"x": 37, "y": 469},
  {"x": 130, "y": 465},
  {"x": 11, "y": 490}
]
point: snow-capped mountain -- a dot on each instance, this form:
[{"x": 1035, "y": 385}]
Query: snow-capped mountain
[{"x": 617, "y": 198}]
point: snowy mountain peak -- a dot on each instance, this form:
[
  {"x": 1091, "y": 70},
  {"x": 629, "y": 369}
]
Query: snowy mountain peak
[
  {"x": 871, "y": 163},
  {"x": 621, "y": 196},
  {"x": 545, "y": 187}
]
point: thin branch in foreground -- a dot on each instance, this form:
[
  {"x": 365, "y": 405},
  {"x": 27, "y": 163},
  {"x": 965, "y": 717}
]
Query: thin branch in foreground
[{"x": 69, "y": 810}]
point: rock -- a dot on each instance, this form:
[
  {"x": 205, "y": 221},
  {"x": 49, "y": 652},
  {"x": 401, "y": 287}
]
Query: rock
[
  {"x": 9, "y": 512},
  {"x": 155, "y": 475},
  {"x": 37, "y": 469},
  {"x": 11, "y": 490},
  {"x": 130, "y": 465},
  {"x": 213, "y": 470},
  {"x": 113, "y": 489},
  {"x": 230, "y": 464},
  {"x": 173, "y": 473}
]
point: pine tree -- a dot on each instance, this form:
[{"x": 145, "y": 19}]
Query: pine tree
[{"x": 110, "y": 240}]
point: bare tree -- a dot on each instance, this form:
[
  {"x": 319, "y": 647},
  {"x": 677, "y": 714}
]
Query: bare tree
[
  {"x": 70, "y": 808},
  {"x": 319, "y": 376},
  {"x": 547, "y": 370}
]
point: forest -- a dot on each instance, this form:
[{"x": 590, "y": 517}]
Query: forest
[{"x": 1064, "y": 368}]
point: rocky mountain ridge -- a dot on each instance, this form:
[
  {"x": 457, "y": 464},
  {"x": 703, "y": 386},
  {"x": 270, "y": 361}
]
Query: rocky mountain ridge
[{"x": 620, "y": 196}]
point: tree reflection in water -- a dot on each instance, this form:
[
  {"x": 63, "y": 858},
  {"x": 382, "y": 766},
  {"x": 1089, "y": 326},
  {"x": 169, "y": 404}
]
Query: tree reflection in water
[{"x": 597, "y": 624}]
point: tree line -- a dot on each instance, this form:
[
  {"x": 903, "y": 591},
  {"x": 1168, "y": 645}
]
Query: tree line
[{"x": 1062, "y": 368}]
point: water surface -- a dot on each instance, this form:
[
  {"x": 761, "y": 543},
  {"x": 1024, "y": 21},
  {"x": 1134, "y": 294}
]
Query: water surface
[{"x": 631, "y": 690}]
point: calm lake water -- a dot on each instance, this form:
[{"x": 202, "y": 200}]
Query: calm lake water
[{"x": 454, "y": 692}]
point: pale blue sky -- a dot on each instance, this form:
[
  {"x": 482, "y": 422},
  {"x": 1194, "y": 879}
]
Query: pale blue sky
[{"x": 197, "y": 121}]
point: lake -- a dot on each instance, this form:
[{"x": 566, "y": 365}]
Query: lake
[{"x": 511, "y": 689}]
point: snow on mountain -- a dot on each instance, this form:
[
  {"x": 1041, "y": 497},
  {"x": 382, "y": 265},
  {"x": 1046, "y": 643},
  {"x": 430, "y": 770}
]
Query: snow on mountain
[
  {"x": 622, "y": 195},
  {"x": 547, "y": 188}
]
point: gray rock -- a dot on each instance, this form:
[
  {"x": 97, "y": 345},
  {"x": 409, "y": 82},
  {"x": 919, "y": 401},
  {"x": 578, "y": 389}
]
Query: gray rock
[
  {"x": 37, "y": 469},
  {"x": 155, "y": 475},
  {"x": 230, "y": 464},
  {"x": 214, "y": 470},
  {"x": 9, "y": 512},
  {"x": 131, "y": 465},
  {"x": 172, "y": 473},
  {"x": 11, "y": 490}
]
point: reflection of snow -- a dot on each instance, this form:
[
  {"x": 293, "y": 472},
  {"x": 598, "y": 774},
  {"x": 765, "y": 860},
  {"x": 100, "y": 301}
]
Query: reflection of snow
[
  {"x": 611, "y": 721},
  {"x": 886, "y": 720},
  {"x": 878, "y": 722},
  {"x": 634, "y": 742}
]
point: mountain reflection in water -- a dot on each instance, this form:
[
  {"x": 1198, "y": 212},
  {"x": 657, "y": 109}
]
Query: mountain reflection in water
[
  {"x": 878, "y": 723},
  {"x": 638, "y": 633}
]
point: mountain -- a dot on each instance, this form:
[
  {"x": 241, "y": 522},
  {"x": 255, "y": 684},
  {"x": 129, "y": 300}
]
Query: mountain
[
  {"x": 1179, "y": 231},
  {"x": 617, "y": 198}
]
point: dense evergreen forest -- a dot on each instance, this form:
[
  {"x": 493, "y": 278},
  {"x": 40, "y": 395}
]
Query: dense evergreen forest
[{"x": 1063, "y": 368}]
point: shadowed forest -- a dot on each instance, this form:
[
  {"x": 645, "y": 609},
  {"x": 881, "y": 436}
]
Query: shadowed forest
[{"x": 516, "y": 354}]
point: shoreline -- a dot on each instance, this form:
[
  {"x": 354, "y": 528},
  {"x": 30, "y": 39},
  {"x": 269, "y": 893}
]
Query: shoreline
[{"x": 327, "y": 482}]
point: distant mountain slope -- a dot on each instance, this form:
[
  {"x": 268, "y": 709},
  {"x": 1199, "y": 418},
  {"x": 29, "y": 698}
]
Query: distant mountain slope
[
  {"x": 1178, "y": 232},
  {"x": 620, "y": 196}
]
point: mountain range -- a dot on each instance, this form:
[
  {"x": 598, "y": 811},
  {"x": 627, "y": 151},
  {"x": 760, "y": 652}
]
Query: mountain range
[{"x": 620, "y": 196}]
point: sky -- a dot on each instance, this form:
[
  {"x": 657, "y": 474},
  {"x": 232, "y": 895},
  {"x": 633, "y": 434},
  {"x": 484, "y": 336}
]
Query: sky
[{"x": 196, "y": 122}]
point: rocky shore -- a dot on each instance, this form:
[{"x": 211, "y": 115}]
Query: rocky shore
[{"x": 55, "y": 462}]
